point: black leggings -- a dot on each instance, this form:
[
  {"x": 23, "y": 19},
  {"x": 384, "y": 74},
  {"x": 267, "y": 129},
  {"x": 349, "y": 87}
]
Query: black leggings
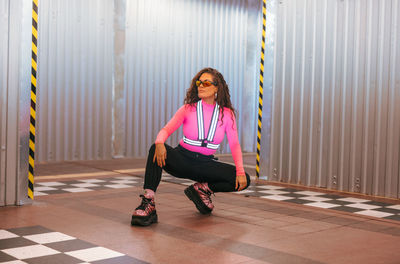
[{"x": 182, "y": 163}]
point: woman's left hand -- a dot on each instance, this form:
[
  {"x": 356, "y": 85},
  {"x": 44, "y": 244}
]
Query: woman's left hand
[{"x": 241, "y": 182}]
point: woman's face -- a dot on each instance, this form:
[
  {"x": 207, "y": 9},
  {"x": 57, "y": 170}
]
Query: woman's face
[{"x": 207, "y": 93}]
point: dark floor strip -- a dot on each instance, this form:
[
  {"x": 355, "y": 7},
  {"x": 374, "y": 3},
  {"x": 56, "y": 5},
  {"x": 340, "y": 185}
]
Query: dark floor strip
[{"x": 240, "y": 248}]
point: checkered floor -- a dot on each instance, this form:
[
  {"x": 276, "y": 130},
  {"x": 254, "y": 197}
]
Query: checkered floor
[
  {"x": 308, "y": 198},
  {"x": 316, "y": 199},
  {"x": 324, "y": 200},
  {"x": 86, "y": 185},
  {"x": 39, "y": 245}
]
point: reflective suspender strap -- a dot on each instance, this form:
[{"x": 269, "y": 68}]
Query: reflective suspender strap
[
  {"x": 200, "y": 120},
  {"x": 212, "y": 146},
  {"x": 192, "y": 142},
  {"x": 198, "y": 143},
  {"x": 201, "y": 142},
  {"x": 213, "y": 124}
]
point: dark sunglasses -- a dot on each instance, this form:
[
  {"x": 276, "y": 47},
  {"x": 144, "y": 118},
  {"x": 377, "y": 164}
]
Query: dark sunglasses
[{"x": 205, "y": 83}]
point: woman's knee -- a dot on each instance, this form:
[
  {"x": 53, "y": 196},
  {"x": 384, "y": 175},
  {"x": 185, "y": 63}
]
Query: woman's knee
[{"x": 152, "y": 149}]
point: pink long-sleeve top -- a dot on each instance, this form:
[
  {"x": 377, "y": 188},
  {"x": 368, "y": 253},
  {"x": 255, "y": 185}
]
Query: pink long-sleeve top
[{"x": 187, "y": 116}]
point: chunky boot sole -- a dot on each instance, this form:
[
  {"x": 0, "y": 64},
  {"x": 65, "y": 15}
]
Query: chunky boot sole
[
  {"x": 144, "y": 220},
  {"x": 192, "y": 194}
]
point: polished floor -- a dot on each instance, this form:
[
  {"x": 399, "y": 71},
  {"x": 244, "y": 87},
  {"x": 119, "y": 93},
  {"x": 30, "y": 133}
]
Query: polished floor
[{"x": 81, "y": 214}]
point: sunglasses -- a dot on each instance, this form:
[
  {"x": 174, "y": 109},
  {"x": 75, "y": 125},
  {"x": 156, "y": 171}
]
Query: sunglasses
[{"x": 205, "y": 83}]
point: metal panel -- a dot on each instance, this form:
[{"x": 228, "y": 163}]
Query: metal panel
[
  {"x": 168, "y": 42},
  {"x": 85, "y": 110},
  {"x": 119, "y": 108},
  {"x": 336, "y": 113},
  {"x": 269, "y": 65},
  {"x": 4, "y": 27},
  {"x": 12, "y": 113},
  {"x": 11, "y": 152},
  {"x": 15, "y": 47},
  {"x": 25, "y": 63},
  {"x": 75, "y": 80}
]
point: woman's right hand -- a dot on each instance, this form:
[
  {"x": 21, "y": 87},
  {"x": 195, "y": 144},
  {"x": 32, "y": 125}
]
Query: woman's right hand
[{"x": 160, "y": 154}]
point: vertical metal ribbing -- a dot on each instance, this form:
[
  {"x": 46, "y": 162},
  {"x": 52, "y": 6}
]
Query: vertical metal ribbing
[
  {"x": 33, "y": 97},
  {"x": 260, "y": 99}
]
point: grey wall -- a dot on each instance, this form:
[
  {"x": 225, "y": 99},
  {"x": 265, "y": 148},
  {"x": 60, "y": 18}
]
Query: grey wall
[
  {"x": 15, "y": 57},
  {"x": 107, "y": 84},
  {"x": 167, "y": 43},
  {"x": 4, "y": 27},
  {"x": 75, "y": 70},
  {"x": 336, "y": 96},
  {"x": 113, "y": 72}
]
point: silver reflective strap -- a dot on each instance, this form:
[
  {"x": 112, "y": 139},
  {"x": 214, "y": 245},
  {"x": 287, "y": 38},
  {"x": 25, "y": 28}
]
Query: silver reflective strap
[
  {"x": 200, "y": 120},
  {"x": 212, "y": 146},
  {"x": 200, "y": 128},
  {"x": 214, "y": 122},
  {"x": 191, "y": 142},
  {"x": 198, "y": 143}
]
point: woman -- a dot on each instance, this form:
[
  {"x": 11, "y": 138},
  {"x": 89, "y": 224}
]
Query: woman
[{"x": 207, "y": 116}]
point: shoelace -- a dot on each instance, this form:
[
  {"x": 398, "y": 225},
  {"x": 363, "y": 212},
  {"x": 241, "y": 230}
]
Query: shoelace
[
  {"x": 208, "y": 193},
  {"x": 145, "y": 203}
]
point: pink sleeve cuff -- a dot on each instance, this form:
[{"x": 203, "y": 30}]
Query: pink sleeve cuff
[
  {"x": 162, "y": 136},
  {"x": 240, "y": 171}
]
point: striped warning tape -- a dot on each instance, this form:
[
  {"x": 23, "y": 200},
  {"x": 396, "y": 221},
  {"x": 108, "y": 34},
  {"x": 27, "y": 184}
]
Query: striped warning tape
[
  {"x": 33, "y": 97},
  {"x": 260, "y": 99}
]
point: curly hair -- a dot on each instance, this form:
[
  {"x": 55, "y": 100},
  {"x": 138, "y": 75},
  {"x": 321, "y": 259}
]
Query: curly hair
[{"x": 223, "y": 96}]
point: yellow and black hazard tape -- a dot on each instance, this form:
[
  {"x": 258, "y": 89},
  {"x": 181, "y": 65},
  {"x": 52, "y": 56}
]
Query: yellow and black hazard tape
[
  {"x": 33, "y": 97},
  {"x": 260, "y": 99}
]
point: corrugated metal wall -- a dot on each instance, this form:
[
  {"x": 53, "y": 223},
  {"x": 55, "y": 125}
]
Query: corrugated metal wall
[
  {"x": 4, "y": 16},
  {"x": 75, "y": 80},
  {"x": 336, "y": 101},
  {"x": 268, "y": 77},
  {"x": 82, "y": 110},
  {"x": 168, "y": 42},
  {"x": 15, "y": 57}
]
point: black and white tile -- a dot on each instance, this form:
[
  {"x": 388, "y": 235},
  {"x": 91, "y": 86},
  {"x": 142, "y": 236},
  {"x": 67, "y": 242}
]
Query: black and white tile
[
  {"x": 86, "y": 185},
  {"x": 37, "y": 244},
  {"x": 315, "y": 199},
  {"x": 271, "y": 192},
  {"x": 324, "y": 200}
]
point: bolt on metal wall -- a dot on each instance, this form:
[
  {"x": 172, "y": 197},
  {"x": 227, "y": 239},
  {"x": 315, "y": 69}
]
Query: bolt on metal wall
[{"x": 336, "y": 110}]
